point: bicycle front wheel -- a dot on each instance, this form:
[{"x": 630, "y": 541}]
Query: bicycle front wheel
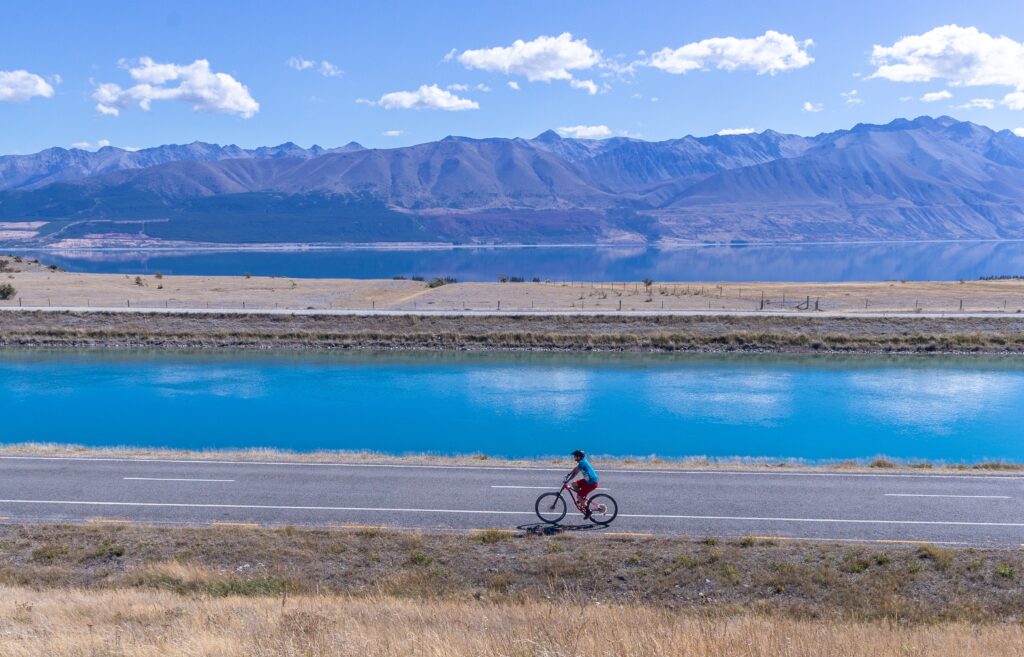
[
  {"x": 550, "y": 507},
  {"x": 603, "y": 509}
]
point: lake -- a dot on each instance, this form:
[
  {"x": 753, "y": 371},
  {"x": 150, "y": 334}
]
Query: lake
[
  {"x": 816, "y": 408},
  {"x": 784, "y": 262}
]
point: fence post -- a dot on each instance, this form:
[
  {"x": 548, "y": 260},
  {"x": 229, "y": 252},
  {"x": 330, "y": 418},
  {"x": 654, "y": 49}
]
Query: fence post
[{"x": 499, "y": 304}]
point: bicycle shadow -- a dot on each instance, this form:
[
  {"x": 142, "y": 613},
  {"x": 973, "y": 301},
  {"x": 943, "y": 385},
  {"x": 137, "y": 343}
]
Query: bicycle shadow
[{"x": 550, "y": 529}]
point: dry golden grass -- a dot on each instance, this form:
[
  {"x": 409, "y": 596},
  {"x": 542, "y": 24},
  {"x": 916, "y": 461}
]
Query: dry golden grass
[
  {"x": 38, "y": 286},
  {"x": 131, "y": 623}
]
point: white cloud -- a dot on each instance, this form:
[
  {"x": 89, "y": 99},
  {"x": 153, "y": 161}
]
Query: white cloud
[
  {"x": 544, "y": 59},
  {"x": 586, "y": 131},
  {"x": 87, "y": 146},
  {"x": 851, "y": 97},
  {"x": 811, "y": 107},
  {"x": 205, "y": 90},
  {"x": 587, "y": 85},
  {"x": 1019, "y": 132},
  {"x": 426, "y": 97},
  {"x": 19, "y": 86},
  {"x": 770, "y": 53},
  {"x": 978, "y": 103},
  {"x": 906, "y": 99},
  {"x": 735, "y": 131},
  {"x": 300, "y": 64},
  {"x": 323, "y": 67},
  {"x": 1014, "y": 101},
  {"x": 965, "y": 56},
  {"x": 512, "y": 84},
  {"x": 466, "y": 87},
  {"x": 392, "y": 133},
  {"x": 935, "y": 96}
]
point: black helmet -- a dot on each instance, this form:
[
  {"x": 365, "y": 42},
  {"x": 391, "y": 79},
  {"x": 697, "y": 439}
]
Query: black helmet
[{"x": 579, "y": 454}]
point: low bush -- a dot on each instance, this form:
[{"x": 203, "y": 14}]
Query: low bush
[{"x": 7, "y": 291}]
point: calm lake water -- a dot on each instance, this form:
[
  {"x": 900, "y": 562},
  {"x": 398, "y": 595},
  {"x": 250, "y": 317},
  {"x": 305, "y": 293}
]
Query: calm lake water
[
  {"x": 521, "y": 404},
  {"x": 823, "y": 262}
]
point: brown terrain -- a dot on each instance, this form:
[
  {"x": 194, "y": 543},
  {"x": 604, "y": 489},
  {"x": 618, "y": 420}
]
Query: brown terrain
[{"x": 134, "y": 590}]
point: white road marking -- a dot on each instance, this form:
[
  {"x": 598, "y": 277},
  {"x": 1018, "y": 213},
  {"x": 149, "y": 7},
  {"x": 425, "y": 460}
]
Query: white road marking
[
  {"x": 281, "y": 507},
  {"x": 550, "y": 488},
  {"x": 498, "y": 468},
  {"x": 980, "y": 497},
  {"x": 173, "y": 479}
]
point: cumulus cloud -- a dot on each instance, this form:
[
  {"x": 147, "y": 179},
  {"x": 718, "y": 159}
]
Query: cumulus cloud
[
  {"x": 851, "y": 97},
  {"x": 204, "y": 89},
  {"x": 935, "y": 96},
  {"x": 771, "y": 53},
  {"x": 587, "y": 85},
  {"x": 392, "y": 133},
  {"x": 978, "y": 103},
  {"x": 965, "y": 56},
  {"x": 1019, "y": 132},
  {"x": 586, "y": 131},
  {"x": 735, "y": 131},
  {"x": 544, "y": 59},
  {"x": 811, "y": 107},
  {"x": 323, "y": 67},
  {"x": 426, "y": 97},
  {"x": 512, "y": 84},
  {"x": 19, "y": 86},
  {"x": 88, "y": 146}
]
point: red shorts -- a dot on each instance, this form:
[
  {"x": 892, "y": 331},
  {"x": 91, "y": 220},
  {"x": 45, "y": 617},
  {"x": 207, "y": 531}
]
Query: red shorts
[{"x": 583, "y": 488}]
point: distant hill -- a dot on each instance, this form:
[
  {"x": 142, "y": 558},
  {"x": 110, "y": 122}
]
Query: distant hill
[{"x": 927, "y": 178}]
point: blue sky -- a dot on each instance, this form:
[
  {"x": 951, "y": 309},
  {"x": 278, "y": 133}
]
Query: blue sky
[{"x": 387, "y": 73}]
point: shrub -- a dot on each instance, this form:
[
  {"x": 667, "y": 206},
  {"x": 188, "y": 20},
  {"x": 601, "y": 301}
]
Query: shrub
[
  {"x": 418, "y": 279},
  {"x": 493, "y": 536},
  {"x": 881, "y": 462},
  {"x": 248, "y": 274},
  {"x": 158, "y": 275},
  {"x": 536, "y": 279},
  {"x": 7, "y": 291},
  {"x": 438, "y": 282},
  {"x": 417, "y": 558},
  {"x": 138, "y": 281}
]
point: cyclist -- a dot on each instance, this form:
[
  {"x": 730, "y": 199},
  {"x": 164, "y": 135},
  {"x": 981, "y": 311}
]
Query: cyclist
[{"x": 588, "y": 481}]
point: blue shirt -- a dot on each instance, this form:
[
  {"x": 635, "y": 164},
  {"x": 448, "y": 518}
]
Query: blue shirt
[{"x": 587, "y": 471}]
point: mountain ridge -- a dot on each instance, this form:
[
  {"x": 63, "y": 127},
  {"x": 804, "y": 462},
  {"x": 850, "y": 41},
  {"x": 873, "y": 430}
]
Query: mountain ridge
[{"x": 922, "y": 178}]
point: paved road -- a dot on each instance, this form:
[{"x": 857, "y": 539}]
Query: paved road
[
  {"x": 349, "y": 312},
  {"x": 955, "y": 509}
]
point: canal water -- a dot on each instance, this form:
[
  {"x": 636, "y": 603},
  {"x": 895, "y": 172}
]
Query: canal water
[{"x": 521, "y": 405}]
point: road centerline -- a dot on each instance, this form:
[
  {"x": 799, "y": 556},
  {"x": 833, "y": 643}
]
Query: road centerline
[
  {"x": 177, "y": 479},
  {"x": 978, "y": 497}
]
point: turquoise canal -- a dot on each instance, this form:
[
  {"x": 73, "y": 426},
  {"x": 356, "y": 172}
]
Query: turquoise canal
[{"x": 814, "y": 408}]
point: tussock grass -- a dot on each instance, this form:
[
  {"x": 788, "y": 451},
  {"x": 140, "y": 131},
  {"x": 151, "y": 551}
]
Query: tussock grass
[
  {"x": 786, "y": 579},
  {"x": 133, "y": 623}
]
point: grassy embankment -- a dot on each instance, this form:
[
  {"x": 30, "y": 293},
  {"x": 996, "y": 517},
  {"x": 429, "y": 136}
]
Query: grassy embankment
[
  {"x": 792, "y": 334},
  {"x": 135, "y": 590}
]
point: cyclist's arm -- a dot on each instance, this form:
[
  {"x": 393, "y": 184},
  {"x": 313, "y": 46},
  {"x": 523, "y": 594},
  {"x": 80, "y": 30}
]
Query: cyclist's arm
[{"x": 575, "y": 471}]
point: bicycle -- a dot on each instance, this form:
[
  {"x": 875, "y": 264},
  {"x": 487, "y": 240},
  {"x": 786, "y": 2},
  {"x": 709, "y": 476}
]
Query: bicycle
[{"x": 551, "y": 507}]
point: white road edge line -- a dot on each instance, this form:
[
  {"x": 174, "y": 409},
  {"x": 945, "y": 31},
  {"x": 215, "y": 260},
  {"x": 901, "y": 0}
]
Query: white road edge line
[
  {"x": 277, "y": 507},
  {"x": 550, "y": 488},
  {"x": 498, "y": 468},
  {"x": 175, "y": 479},
  {"x": 980, "y": 497}
]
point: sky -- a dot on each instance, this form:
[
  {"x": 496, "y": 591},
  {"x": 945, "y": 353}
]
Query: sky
[{"x": 388, "y": 73}]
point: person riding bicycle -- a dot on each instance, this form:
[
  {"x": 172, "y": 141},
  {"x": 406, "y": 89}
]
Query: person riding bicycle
[{"x": 588, "y": 477}]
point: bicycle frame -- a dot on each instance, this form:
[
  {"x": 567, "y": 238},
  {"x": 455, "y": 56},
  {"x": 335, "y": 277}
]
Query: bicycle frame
[{"x": 572, "y": 495}]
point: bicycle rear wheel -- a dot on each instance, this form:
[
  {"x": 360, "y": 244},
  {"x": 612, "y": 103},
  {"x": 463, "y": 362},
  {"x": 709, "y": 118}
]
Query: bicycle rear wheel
[
  {"x": 550, "y": 507},
  {"x": 603, "y": 508}
]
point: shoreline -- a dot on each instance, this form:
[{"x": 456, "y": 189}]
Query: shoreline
[{"x": 874, "y": 465}]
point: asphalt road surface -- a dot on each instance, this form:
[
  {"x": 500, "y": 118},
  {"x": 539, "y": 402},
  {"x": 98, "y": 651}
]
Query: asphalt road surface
[{"x": 975, "y": 510}]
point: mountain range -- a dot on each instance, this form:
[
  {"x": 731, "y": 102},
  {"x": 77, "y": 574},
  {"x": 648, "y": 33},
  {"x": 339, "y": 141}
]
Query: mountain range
[{"x": 926, "y": 178}]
